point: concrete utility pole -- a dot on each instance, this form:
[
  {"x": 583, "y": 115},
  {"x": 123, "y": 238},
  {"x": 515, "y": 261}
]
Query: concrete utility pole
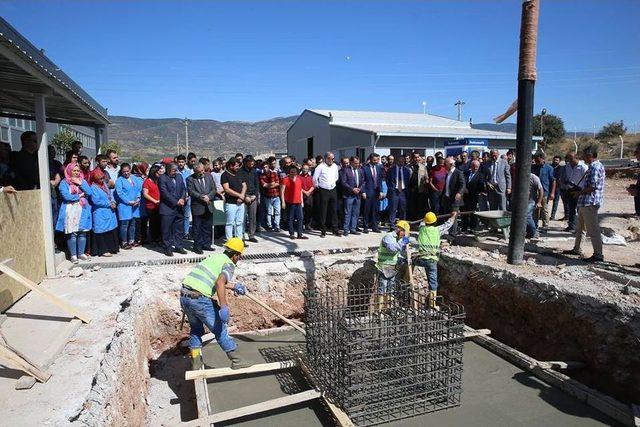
[
  {"x": 526, "y": 84},
  {"x": 424, "y": 107},
  {"x": 177, "y": 144},
  {"x": 459, "y": 104},
  {"x": 186, "y": 134}
]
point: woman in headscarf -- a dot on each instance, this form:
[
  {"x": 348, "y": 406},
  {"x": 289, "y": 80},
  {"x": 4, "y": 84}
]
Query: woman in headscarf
[
  {"x": 74, "y": 217},
  {"x": 139, "y": 171},
  {"x": 151, "y": 194},
  {"x": 128, "y": 198},
  {"x": 104, "y": 241}
]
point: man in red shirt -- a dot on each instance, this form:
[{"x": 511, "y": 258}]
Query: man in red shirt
[
  {"x": 437, "y": 181},
  {"x": 291, "y": 197},
  {"x": 270, "y": 187},
  {"x": 307, "y": 195}
]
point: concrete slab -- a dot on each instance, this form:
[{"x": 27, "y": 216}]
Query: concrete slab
[{"x": 496, "y": 392}]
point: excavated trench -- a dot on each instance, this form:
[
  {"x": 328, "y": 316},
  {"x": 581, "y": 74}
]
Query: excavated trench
[{"x": 141, "y": 378}]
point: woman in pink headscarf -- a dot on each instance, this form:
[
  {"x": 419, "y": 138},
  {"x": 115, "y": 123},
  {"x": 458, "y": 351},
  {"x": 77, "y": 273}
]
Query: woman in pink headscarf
[{"x": 74, "y": 217}]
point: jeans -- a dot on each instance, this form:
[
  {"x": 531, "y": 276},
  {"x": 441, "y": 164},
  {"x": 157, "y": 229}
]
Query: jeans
[
  {"x": 532, "y": 229},
  {"x": 127, "y": 230},
  {"x": 351, "y": 213},
  {"x": 235, "y": 220},
  {"x": 77, "y": 242},
  {"x": 272, "y": 207},
  {"x": 294, "y": 218},
  {"x": 431, "y": 269},
  {"x": 434, "y": 201},
  {"x": 203, "y": 311},
  {"x": 187, "y": 215}
]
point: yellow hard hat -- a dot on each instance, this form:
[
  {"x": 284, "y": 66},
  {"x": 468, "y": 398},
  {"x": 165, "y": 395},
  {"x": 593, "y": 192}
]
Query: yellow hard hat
[
  {"x": 430, "y": 218},
  {"x": 404, "y": 225},
  {"x": 235, "y": 244}
]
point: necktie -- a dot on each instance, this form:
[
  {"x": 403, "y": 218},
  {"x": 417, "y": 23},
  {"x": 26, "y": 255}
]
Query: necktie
[
  {"x": 373, "y": 172},
  {"x": 493, "y": 174},
  {"x": 355, "y": 174},
  {"x": 400, "y": 183}
]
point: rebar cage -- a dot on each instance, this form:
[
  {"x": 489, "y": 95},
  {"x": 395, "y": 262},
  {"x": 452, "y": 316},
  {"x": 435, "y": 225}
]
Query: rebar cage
[{"x": 384, "y": 358}]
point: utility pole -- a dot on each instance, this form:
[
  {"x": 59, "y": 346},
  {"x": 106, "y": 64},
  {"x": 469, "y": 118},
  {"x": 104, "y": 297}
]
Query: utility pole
[
  {"x": 177, "y": 144},
  {"x": 459, "y": 104},
  {"x": 424, "y": 107},
  {"x": 526, "y": 84},
  {"x": 186, "y": 134}
]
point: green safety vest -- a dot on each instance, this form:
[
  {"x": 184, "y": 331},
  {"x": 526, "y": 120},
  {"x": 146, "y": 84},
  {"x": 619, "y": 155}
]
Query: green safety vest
[
  {"x": 385, "y": 256},
  {"x": 203, "y": 277},
  {"x": 429, "y": 242}
]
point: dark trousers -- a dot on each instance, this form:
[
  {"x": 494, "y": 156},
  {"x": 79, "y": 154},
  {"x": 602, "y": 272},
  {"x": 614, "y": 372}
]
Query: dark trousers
[
  {"x": 397, "y": 206},
  {"x": 154, "y": 226},
  {"x": 572, "y": 211},
  {"x": 434, "y": 201},
  {"x": 142, "y": 226},
  {"x": 371, "y": 212},
  {"x": 448, "y": 205},
  {"x": 251, "y": 218},
  {"x": 470, "y": 222},
  {"x": 328, "y": 209},
  {"x": 202, "y": 230},
  {"x": 636, "y": 203},
  {"x": 172, "y": 230},
  {"x": 294, "y": 218},
  {"x": 307, "y": 209}
]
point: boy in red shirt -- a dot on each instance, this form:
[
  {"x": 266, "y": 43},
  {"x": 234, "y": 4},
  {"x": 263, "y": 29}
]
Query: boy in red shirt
[{"x": 291, "y": 197}]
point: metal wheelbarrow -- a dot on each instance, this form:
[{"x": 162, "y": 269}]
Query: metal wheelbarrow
[{"x": 496, "y": 220}]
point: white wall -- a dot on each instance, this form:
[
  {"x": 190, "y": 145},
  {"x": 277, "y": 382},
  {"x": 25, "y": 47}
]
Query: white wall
[{"x": 308, "y": 125}]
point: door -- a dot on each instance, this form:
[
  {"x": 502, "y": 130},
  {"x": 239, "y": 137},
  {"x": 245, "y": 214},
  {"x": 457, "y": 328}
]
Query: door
[{"x": 310, "y": 153}]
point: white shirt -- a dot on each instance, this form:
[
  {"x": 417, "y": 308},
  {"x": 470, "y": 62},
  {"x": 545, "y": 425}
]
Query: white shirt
[
  {"x": 326, "y": 176},
  {"x": 574, "y": 174},
  {"x": 446, "y": 185}
]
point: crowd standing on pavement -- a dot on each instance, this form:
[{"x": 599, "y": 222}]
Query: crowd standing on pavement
[{"x": 101, "y": 206}]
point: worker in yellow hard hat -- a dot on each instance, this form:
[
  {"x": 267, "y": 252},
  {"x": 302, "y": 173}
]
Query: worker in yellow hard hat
[
  {"x": 429, "y": 250},
  {"x": 392, "y": 244},
  {"x": 204, "y": 301}
]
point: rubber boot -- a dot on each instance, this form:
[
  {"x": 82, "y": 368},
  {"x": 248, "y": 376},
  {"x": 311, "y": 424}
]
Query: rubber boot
[
  {"x": 432, "y": 300},
  {"x": 380, "y": 303},
  {"x": 196, "y": 359},
  {"x": 237, "y": 361}
]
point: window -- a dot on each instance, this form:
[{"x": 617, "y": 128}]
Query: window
[
  {"x": 12, "y": 122},
  {"x": 4, "y": 134}
]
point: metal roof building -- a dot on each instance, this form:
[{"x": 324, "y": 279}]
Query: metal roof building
[{"x": 362, "y": 132}]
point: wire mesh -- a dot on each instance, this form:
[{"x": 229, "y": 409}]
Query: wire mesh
[{"x": 384, "y": 358}]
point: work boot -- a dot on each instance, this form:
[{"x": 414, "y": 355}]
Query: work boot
[
  {"x": 237, "y": 361},
  {"x": 432, "y": 300},
  {"x": 196, "y": 359}
]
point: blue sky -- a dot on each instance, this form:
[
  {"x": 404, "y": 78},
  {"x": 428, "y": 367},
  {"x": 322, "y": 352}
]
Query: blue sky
[{"x": 257, "y": 60}]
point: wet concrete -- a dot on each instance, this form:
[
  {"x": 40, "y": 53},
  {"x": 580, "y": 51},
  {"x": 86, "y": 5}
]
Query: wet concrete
[{"x": 495, "y": 392}]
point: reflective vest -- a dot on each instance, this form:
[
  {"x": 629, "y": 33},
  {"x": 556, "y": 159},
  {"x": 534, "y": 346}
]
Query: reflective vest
[
  {"x": 203, "y": 277},
  {"x": 429, "y": 242},
  {"x": 385, "y": 256}
]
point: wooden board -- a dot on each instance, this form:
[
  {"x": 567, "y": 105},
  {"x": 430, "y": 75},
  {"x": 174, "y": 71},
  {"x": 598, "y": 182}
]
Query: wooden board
[
  {"x": 228, "y": 372},
  {"x": 22, "y": 240},
  {"x": 15, "y": 358}
]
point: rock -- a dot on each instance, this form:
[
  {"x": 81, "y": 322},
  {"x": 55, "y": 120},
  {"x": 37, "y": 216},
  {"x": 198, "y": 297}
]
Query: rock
[
  {"x": 76, "y": 272},
  {"x": 96, "y": 268},
  {"x": 295, "y": 266},
  {"x": 263, "y": 286}
]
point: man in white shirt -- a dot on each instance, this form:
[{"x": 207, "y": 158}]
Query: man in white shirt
[
  {"x": 574, "y": 171},
  {"x": 325, "y": 178}
]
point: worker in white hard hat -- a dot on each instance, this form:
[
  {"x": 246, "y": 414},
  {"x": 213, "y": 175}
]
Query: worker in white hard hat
[
  {"x": 392, "y": 244},
  {"x": 429, "y": 251},
  {"x": 208, "y": 280}
]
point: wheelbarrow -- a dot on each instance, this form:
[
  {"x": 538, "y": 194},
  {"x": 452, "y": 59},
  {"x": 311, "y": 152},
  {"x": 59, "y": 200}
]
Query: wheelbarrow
[{"x": 496, "y": 220}]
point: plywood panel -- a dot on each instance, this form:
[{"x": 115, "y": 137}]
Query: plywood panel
[{"x": 22, "y": 239}]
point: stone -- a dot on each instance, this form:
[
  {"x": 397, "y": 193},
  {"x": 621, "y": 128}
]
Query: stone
[
  {"x": 76, "y": 272},
  {"x": 96, "y": 268},
  {"x": 295, "y": 266}
]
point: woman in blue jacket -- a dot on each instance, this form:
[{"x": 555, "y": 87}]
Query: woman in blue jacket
[
  {"x": 104, "y": 241},
  {"x": 74, "y": 216},
  {"x": 128, "y": 198}
]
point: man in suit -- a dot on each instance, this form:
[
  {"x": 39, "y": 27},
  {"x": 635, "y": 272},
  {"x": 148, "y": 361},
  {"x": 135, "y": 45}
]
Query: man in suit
[
  {"x": 454, "y": 188},
  {"x": 474, "y": 186},
  {"x": 352, "y": 183},
  {"x": 173, "y": 195},
  {"x": 202, "y": 190},
  {"x": 373, "y": 176},
  {"x": 498, "y": 179},
  {"x": 398, "y": 178}
]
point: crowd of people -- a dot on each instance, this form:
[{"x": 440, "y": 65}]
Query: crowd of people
[{"x": 101, "y": 206}]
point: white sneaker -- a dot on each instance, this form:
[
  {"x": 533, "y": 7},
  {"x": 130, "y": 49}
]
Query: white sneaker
[
  {"x": 74, "y": 259},
  {"x": 83, "y": 257}
]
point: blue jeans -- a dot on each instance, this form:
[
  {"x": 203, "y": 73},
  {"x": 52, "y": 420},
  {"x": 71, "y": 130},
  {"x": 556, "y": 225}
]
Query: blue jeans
[
  {"x": 386, "y": 285},
  {"x": 76, "y": 243},
  {"x": 200, "y": 312},
  {"x": 294, "y": 215},
  {"x": 531, "y": 224},
  {"x": 187, "y": 215},
  {"x": 272, "y": 205},
  {"x": 127, "y": 230},
  {"x": 431, "y": 270},
  {"x": 235, "y": 220},
  {"x": 351, "y": 213}
]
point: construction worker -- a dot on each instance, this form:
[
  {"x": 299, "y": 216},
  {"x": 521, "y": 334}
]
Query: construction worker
[
  {"x": 392, "y": 244},
  {"x": 429, "y": 251},
  {"x": 208, "y": 279}
]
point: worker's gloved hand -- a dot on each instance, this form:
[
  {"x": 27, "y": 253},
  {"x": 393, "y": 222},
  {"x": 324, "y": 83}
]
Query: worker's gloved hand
[
  {"x": 224, "y": 313},
  {"x": 404, "y": 241},
  {"x": 239, "y": 289}
]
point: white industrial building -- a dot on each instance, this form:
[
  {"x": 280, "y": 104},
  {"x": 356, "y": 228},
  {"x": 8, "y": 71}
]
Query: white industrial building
[{"x": 348, "y": 133}]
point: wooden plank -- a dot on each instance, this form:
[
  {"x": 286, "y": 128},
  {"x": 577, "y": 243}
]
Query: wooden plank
[
  {"x": 228, "y": 372},
  {"x": 16, "y": 359},
  {"x": 469, "y": 333},
  {"x": 557, "y": 364},
  {"x": 257, "y": 408},
  {"x": 46, "y": 294},
  {"x": 275, "y": 313}
]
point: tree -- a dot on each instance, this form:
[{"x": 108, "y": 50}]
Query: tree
[
  {"x": 611, "y": 130},
  {"x": 552, "y": 127},
  {"x": 62, "y": 141},
  {"x": 111, "y": 145},
  {"x": 137, "y": 157}
]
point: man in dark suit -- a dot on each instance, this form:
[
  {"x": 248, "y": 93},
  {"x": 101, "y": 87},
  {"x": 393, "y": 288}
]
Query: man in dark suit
[
  {"x": 454, "y": 187},
  {"x": 498, "y": 178},
  {"x": 202, "y": 190},
  {"x": 398, "y": 178},
  {"x": 172, "y": 199},
  {"x": 475, "y": 185},
  {"x": 373, "y": 176},
  {"x": 352, "y": 183}
]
